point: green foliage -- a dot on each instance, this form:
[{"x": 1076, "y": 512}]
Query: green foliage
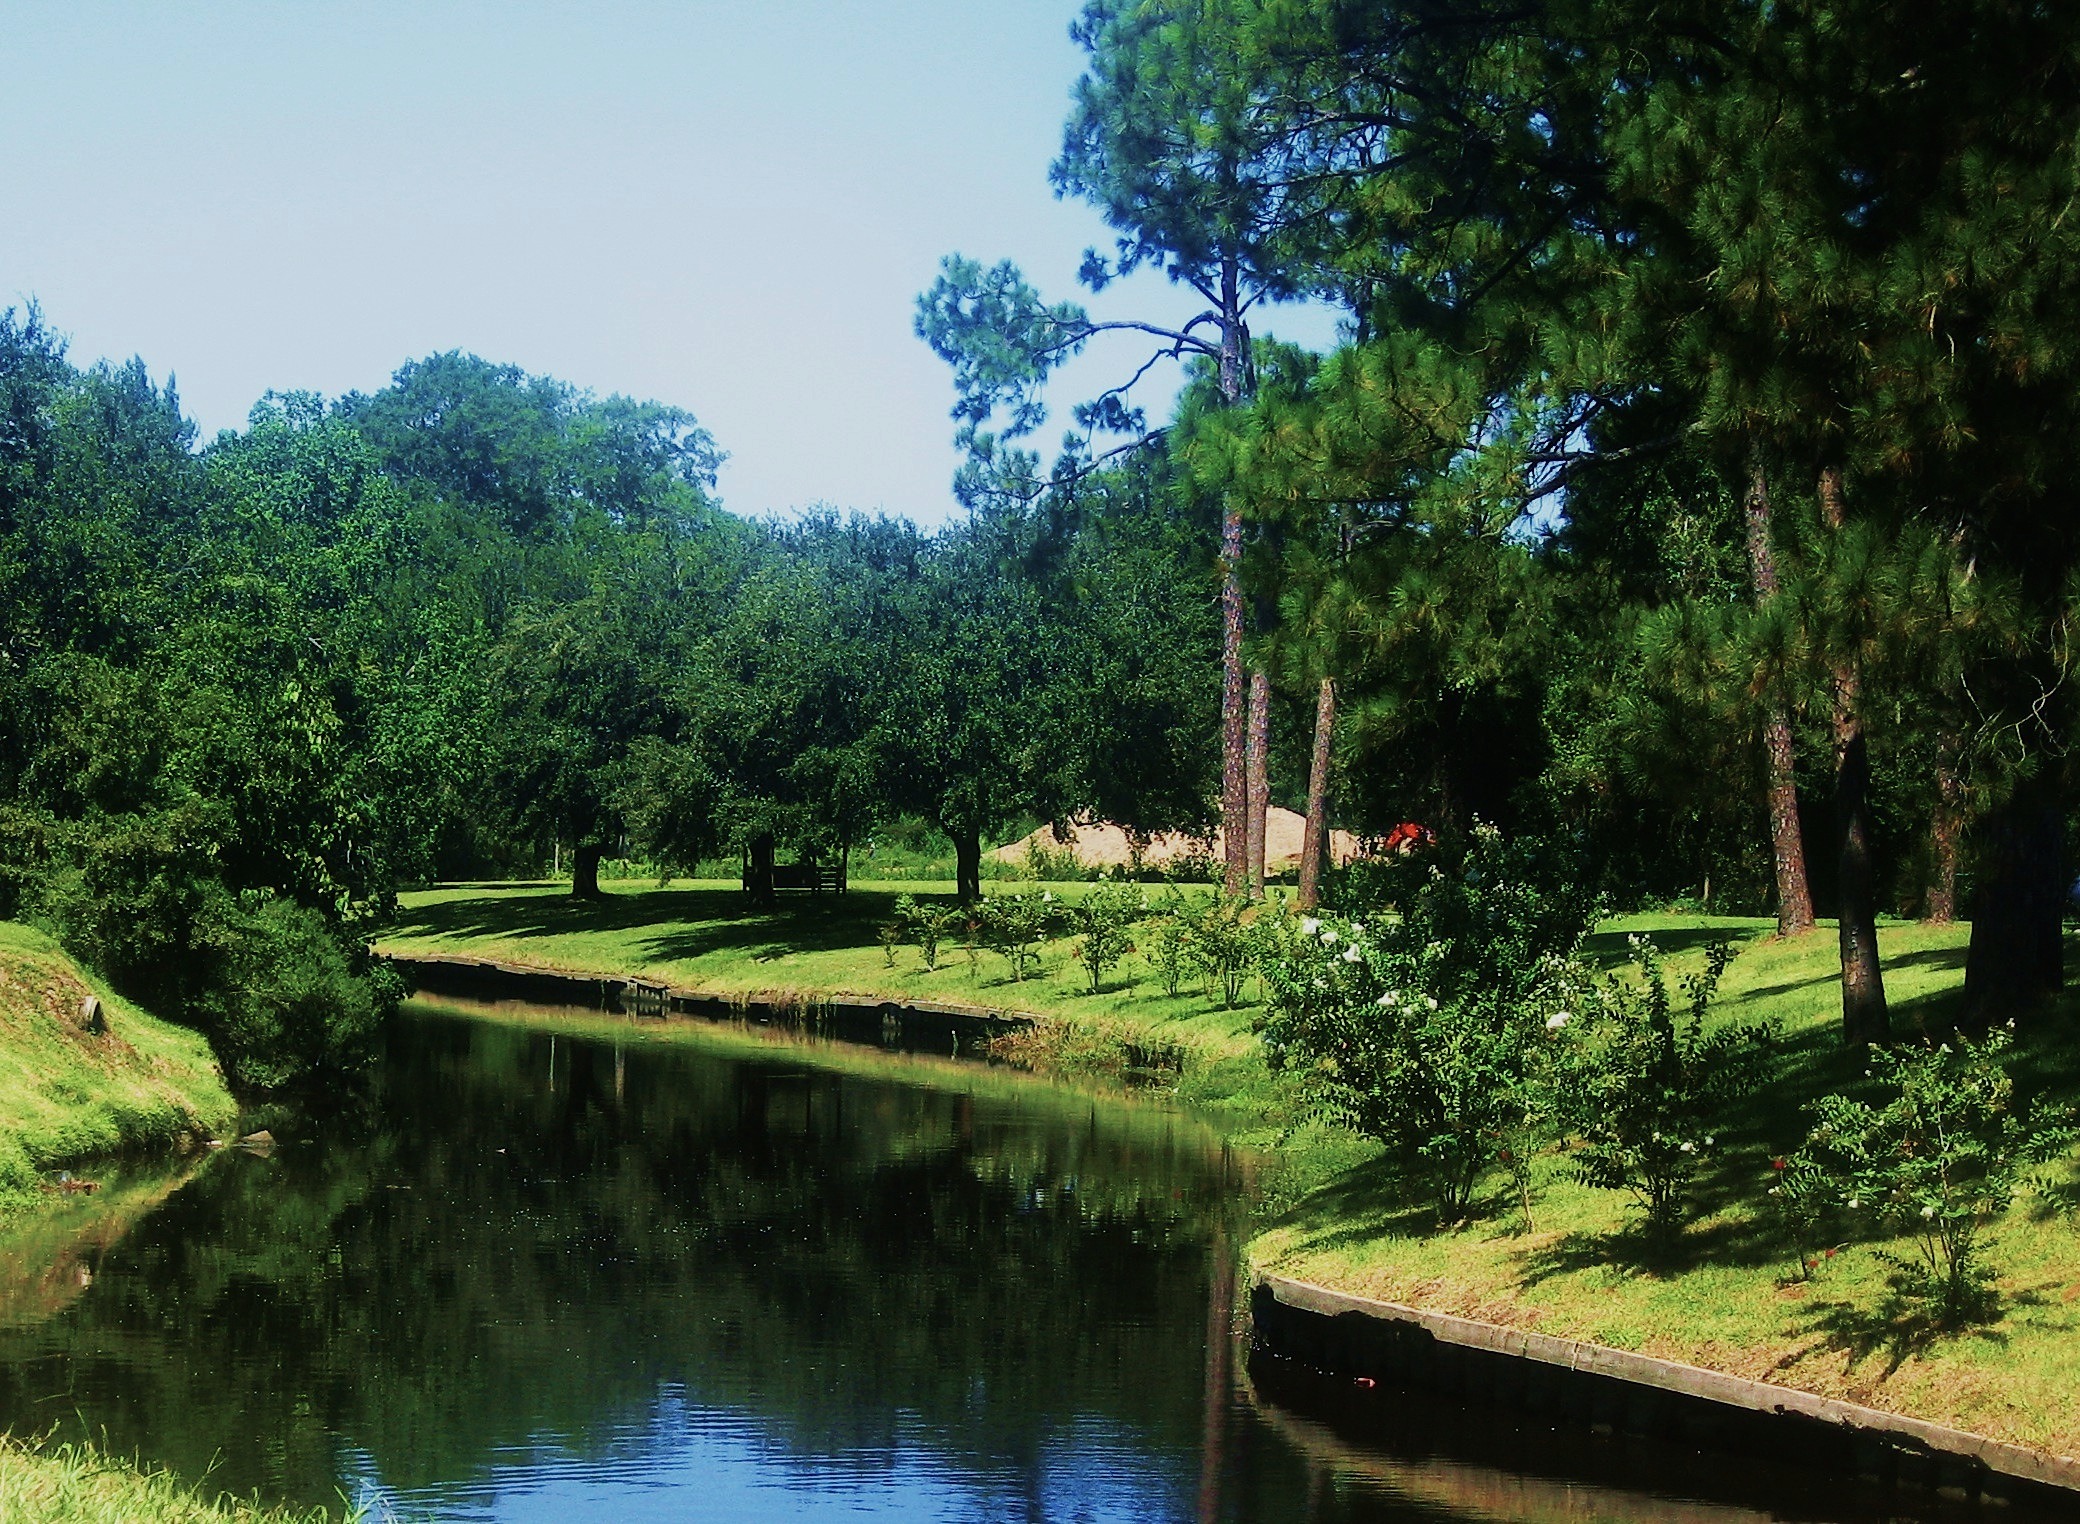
[
  {"x": 1104, "y": 920},
  {"x": 1944, "y": 1152},
  {"x": 1219, "y": 945},
  {"x": 1018, "y": 925},
  {"x": 1649, "y": 1093},
  {"x": 928, "y": 925},
  {"x": 1429, "y": 1030}
]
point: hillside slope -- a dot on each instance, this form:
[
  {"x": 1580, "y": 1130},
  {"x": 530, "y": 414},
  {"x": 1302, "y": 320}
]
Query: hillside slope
[{"x": 68, "y": 1091}]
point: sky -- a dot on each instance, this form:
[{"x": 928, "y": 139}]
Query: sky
[{"x": 730, "y": 207}]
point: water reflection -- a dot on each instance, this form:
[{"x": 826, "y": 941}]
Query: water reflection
[{"x": 566, "y": 1278}]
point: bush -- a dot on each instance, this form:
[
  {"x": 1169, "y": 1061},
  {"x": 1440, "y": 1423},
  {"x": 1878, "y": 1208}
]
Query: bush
[
  {"x": 1649, "y": 1095},
  {"x": 1944, "y": 1154},
  {"x": 928, "y": 926},
  {"x": 273, "y": 984},
  {"x": 1105, "y": 919},
  {"x": 1169, "y": 946},
  {"x": 1018, "y": 925},
  {"x": 1430, "y": 1032},
  {"x": 1219, "y": 945}
]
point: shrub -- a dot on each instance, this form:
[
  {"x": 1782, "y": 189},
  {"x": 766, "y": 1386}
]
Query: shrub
[
  {"x": 1105, "y": 919},
  {"x": 1944, "y": 1153},
  {"x": 1650, "y": 1094},
  {"x": 1220, "y": 946},
  {"x": 1430, "y": 1032},
  {"x": 284, "y": 1002},
  {"x": 1018, "y": 925},
  {"x": 1169, "y": 945},
  {"x": 929, "y": 925}
]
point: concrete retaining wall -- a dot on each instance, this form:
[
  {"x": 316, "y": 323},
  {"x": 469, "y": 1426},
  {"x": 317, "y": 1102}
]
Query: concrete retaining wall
[
  {"x": 907, "y": 1026},
  {"x": 1616, "y": 1391}
]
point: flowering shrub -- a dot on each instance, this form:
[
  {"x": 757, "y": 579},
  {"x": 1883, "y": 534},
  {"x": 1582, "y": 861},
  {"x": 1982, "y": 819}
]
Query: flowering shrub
[
  {"x": 1943, "y": 1155},
  {"x": 1647, "y": 1093},
  {"x": 1430, "y": 1031}
]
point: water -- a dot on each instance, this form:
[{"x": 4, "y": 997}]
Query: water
[{"x": 574, "y": 1279}]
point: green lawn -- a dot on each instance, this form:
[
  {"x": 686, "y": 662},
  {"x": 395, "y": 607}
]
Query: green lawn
[
  {"x": 700, "y": 936},
  {"x": 1725, "y": 1300},
  {"x": 67, "y": 1094}
]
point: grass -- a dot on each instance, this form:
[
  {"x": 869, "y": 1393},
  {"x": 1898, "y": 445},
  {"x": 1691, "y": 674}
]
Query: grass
[
  {"x": 79, "y": 1484},
  {"x": 700, "y": 936},
  {"x": 68, "y": 1094},
  {"x": 1726, "y": 1297},
  {"x": 1729, "y": 1295}
]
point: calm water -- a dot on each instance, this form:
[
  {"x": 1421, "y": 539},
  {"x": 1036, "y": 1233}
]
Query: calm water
[{"x": 568, "y": 1280}]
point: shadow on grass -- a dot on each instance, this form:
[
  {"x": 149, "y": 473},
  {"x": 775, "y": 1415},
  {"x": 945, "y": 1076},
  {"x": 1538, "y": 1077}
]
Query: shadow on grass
[
  {"x": 1900, "y": 1327},
  {"x": 1613, "y": 948},
  {"x": 686, "y": 923}
]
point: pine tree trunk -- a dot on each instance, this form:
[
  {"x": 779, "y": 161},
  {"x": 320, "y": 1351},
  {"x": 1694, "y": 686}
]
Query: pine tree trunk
[
  {"x": 1946, "y": 836},
  {"x": 1234, "y": 681},
  {"x": 1864, "y": 1015},
  {"x": 1787, "y": 846},
  {"x": 967, "y": 865},
  {"x": 2018, "y": 954},
  {"x": 585, "y": 872},
  {"x": 1314, "y": 845},
  {"x": 758, "y": 871},
  {"x": 1259, "y": 774}
]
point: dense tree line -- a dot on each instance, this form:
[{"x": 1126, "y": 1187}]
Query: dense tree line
[
  {"x": 478, "y": 620},
  {"x": 1693, "y": 479}
]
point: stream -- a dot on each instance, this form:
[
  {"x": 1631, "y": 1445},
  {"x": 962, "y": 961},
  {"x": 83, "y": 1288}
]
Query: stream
[{"x": 549, "y": 1277}]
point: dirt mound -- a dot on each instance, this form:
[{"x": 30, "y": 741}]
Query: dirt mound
[{"x": 1100, "y": 844}]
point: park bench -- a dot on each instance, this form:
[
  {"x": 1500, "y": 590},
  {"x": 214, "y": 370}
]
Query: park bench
[{"x": 813, "y": 878}]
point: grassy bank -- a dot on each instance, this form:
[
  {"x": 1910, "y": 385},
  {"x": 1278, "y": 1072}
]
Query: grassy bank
[
  {"x": 1728, "y": 1298},
  {"x": 700, "y": 936},
  {"x": 69, "y": 1092},
  {"x": 78, "y": 1484}
]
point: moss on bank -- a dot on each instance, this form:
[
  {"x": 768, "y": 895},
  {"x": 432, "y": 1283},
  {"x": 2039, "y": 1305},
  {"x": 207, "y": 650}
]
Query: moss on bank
[
  {"x": 69, "y": 1092},
  {"x": 78, "y": 1484}
]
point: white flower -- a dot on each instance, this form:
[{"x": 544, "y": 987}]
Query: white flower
[
  {"x": 1689, "y": 1147},
  {"x": 1854, "y": 1203},
  {"x": 1432, "y": 999},
  {"x": 1328, "y": 939},
  {"x": 1928, "y": 1211},
  {"x": 1351, "y": 954},
  {"x": 1358, "y": 928},
  {"x": 1309, "y": 925},
  {"x": 1556, "y": 1021},
  {"x": 1710, "y": 1142},
  {"x": 1386, "y": 1001}
]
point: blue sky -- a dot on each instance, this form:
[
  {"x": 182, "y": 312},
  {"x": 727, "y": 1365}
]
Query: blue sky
[{"x": 730, "y": 207}]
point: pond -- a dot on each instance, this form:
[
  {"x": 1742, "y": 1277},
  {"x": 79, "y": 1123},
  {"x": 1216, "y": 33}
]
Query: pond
[{"x": 553, "y": 1277}]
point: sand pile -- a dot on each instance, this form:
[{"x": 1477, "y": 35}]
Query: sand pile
[{"x": 1100, "y": 844}]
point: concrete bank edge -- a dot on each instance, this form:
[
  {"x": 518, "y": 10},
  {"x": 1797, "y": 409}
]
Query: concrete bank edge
[{"x": 1673, "y": 1376}]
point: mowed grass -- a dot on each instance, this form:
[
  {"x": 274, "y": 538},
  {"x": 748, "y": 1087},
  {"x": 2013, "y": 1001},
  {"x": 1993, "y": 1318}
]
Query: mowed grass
[
  {"x": 79, "y": 1484},
  {"x": 1729, "y": 1295},
  {"x": 703, "y": 937},
  {"x": 68, "y": 1094}
]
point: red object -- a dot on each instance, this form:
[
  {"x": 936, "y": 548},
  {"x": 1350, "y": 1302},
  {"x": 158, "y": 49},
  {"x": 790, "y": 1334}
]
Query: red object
[{"x": 1407, "y": 837}]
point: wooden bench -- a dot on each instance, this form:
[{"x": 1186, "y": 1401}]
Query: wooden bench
[{"x": 814, "y": 878}]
